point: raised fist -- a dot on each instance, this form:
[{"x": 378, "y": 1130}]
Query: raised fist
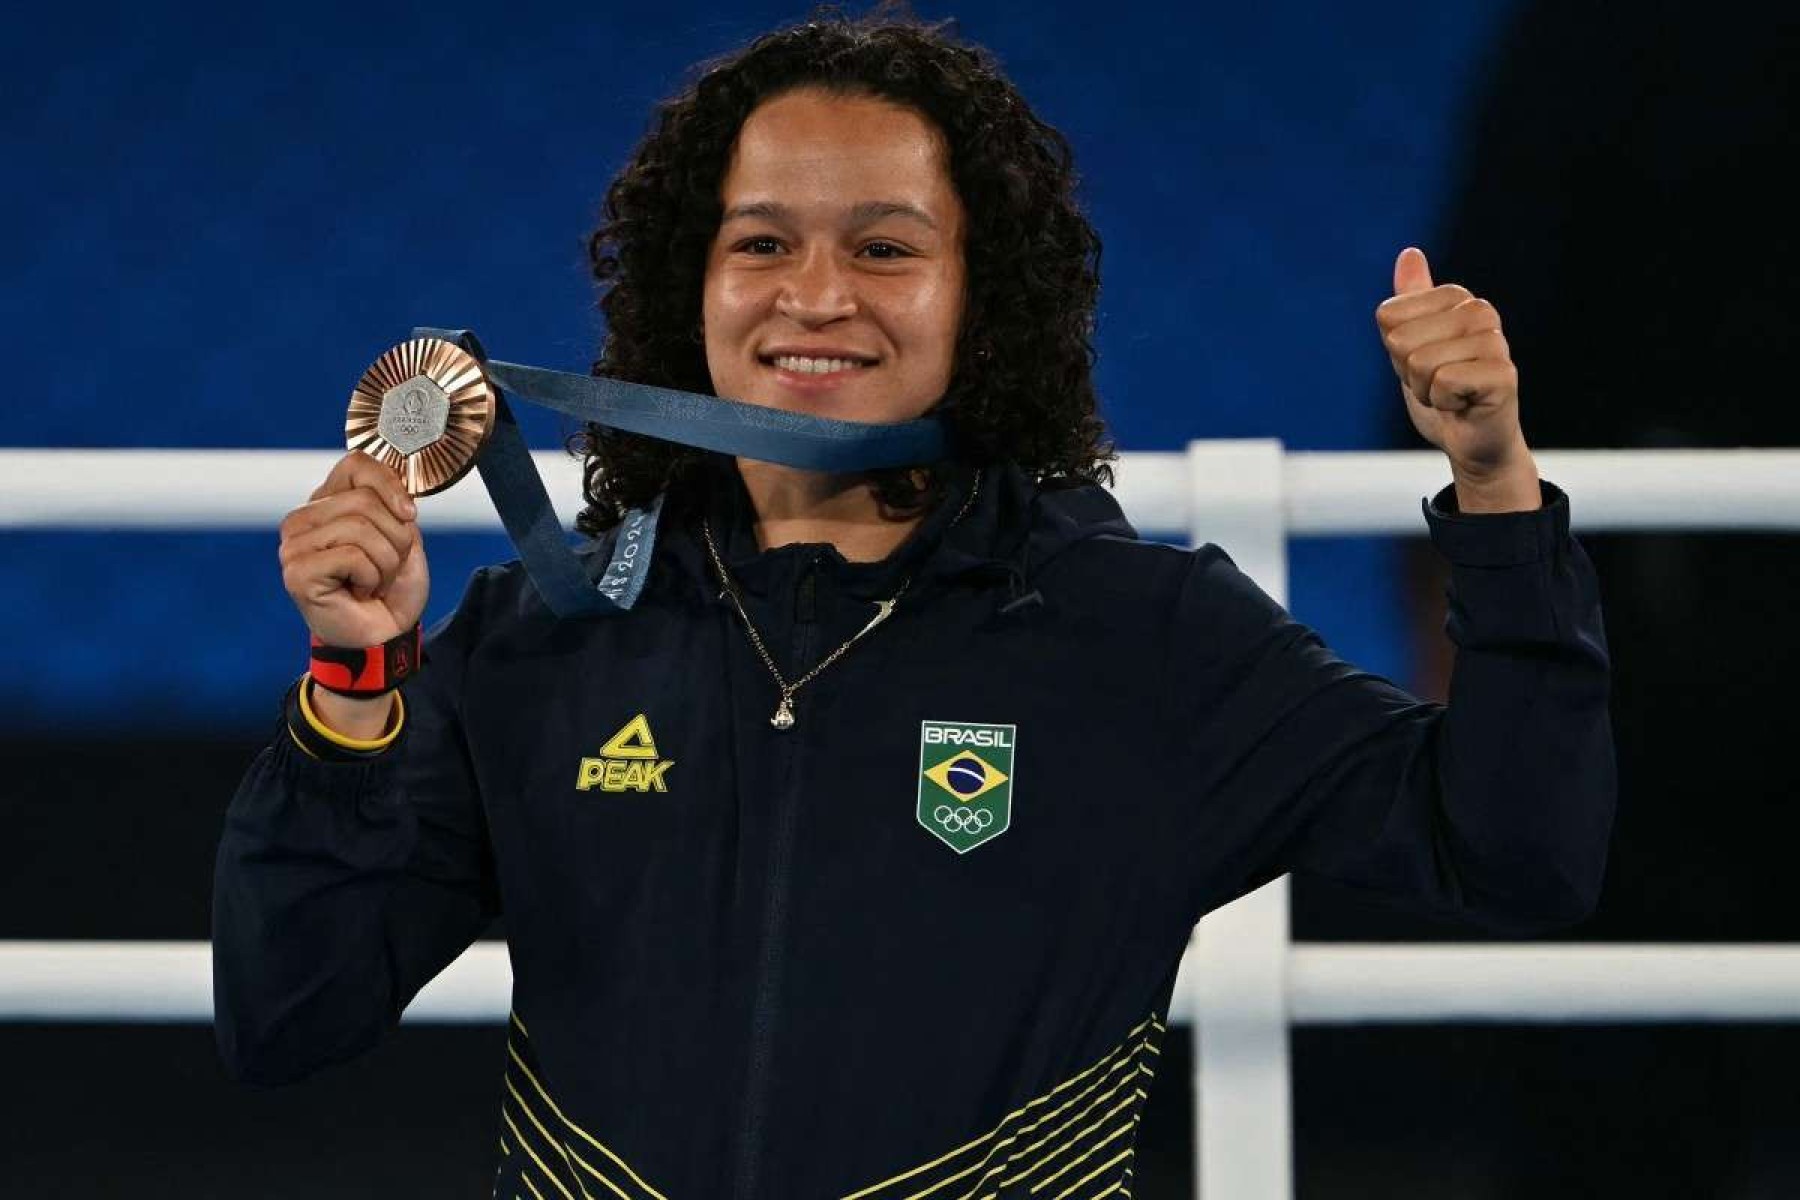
[{"x": 352, "y": 558}]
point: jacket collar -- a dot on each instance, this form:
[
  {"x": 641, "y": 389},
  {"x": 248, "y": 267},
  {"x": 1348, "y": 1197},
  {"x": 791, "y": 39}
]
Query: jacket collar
[{"x": 994, "y": 526}]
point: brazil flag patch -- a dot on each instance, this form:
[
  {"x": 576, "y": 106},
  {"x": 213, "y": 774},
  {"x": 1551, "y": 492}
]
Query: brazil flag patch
[{"x": 965, "y": 781}]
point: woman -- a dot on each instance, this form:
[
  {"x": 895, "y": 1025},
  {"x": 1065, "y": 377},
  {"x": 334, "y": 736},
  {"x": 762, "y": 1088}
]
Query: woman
[{"x": 859, "y": 858}]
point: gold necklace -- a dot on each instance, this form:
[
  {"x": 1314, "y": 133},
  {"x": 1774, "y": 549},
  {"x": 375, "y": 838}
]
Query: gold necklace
[{"x": 784, "y": 709}]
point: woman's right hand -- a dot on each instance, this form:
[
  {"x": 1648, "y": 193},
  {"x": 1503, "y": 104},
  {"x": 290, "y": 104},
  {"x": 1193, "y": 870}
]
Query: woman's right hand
[{"x": 352, "y": 558}]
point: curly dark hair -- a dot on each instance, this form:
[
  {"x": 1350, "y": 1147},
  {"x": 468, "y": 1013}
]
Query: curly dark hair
[{"x": 1021, "y": 383}]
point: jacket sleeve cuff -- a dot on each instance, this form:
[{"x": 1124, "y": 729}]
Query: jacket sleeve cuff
[
  {"x": 1498, "y": 539},
  {"x": 309, "y": 735}
]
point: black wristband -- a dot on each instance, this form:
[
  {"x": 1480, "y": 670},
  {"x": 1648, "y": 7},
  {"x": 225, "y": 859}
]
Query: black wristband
[{"x": 366, "y": 671}]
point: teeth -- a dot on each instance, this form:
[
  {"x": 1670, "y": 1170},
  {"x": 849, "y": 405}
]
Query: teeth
[{"x": 815, "y": 366}]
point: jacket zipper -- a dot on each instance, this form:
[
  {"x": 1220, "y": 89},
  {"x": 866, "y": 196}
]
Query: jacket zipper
[
  {"x": 806, "y": 595},
  {"x": 765, "y": 1009}
]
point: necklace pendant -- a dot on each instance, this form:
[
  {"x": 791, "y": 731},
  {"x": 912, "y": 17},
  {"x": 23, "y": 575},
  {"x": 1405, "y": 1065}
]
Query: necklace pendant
[{"x": 784, "y": 715}]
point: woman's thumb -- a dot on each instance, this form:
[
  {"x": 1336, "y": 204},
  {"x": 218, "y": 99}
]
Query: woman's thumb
[{"x": 1411, "y": 272}]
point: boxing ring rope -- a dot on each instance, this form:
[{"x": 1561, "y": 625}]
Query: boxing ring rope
[
  {"x": 1321, "y": 493},
  {"x": 1329, "y": 983},
  {"x": 1243, "y": 981}
]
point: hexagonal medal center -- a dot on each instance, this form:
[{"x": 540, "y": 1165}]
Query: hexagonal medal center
[{"x": 413, "y": 414}]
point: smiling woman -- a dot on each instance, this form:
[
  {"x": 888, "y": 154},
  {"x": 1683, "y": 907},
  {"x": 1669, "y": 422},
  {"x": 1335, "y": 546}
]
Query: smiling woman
[
  {"x": 910, "y": 786},
  {"x": 880, "y": 192},
  {"x": 816, "y": 300},
  {"x": 834, "y": 287}
]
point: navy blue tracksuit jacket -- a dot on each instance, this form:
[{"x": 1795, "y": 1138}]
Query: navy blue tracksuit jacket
[{"x": 923, "y": 943}]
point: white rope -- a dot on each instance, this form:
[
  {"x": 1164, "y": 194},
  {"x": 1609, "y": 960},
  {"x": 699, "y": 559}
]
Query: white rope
[
  {"x": 1340, "y": 984},
  {"x": 1328, "y": 984},
  {"x": 1611, "y": 490},
  {"x": 1324, "y": 493},
  {"x": 172, "y": 981}
]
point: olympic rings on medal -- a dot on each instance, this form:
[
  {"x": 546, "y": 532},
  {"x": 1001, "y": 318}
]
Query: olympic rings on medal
[{"x": 962, "y": 820}]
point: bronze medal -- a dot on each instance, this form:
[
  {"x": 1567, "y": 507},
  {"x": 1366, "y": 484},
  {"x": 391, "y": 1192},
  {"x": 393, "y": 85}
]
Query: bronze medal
[{"x": 425, "y": 408}]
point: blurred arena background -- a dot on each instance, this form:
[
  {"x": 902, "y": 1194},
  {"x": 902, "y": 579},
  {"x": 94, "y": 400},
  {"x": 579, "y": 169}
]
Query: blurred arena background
[{"x": 218, "y": 216}]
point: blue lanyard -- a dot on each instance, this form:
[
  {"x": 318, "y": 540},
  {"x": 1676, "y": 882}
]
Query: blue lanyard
[{"x": 704, "y": 422}]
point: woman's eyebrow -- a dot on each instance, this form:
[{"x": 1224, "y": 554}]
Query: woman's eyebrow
[{"x": 865, "y": 212}]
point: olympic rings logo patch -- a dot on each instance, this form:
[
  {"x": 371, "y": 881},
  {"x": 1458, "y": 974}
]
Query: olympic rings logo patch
[
  {"x": 966, "y": 781},
  {"x": 962, "y": 820}
]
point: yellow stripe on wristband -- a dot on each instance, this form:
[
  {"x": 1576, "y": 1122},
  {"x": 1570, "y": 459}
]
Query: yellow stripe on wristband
[{"x": 337, "y": 739}]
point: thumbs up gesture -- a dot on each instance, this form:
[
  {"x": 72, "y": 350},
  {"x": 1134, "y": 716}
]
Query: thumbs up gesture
[{"x": 1460, "y": 385}]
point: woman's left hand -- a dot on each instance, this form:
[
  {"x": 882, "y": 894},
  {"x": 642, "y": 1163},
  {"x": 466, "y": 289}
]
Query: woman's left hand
[{"x": 1460, "y": 385}]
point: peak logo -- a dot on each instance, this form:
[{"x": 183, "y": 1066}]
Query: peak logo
[{"x": 627, "y": 763}]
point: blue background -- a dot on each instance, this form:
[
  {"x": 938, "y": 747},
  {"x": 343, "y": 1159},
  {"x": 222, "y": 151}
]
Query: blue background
[{"x": 217, "y": 222}]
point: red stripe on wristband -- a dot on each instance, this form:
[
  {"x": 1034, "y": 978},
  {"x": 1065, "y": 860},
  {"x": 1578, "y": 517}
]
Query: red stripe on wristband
[{"x": 366, "y": 670}]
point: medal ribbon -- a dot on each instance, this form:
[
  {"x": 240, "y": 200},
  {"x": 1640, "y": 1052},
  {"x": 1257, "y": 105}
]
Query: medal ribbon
[{"x": 704, "y": 422}]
